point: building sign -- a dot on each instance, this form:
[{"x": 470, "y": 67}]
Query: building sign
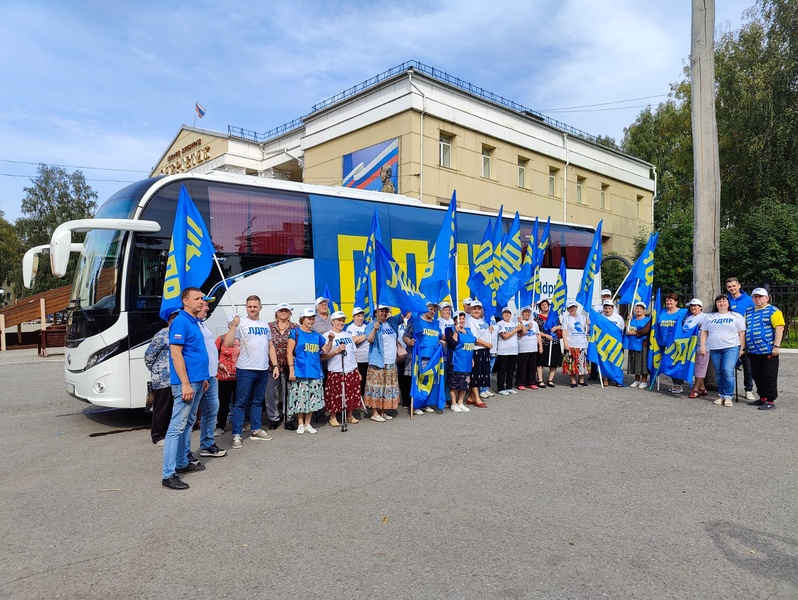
[
  {"x": 374, "y": 168},
  {"x": 186, "y": 158}
]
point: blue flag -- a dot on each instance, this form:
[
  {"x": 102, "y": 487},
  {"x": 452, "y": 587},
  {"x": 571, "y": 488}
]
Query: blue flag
[
  {"x": 393, "y": 286},
  {"x": 654, "y": 351},
  {"x": 678, "y": 358},
  {"x": 334, "y": 306},
  {"x": 557, "y": 298},
  {"x": 190, "y": 257},
  {"x": 489, "y": 304},
  {"x": 364, "y": 292},
  {"x": 510, "y": 263},
  {"x": 541, "y": 243},
  {"x": 440, "y": 268},
  {"x": 592, "y": 267},
  {"x": 605, "y": 347},
  {"x": 428, "y": 387},
  {"x": 640, "y": 280},
  {"x": 481, "y": 276}
]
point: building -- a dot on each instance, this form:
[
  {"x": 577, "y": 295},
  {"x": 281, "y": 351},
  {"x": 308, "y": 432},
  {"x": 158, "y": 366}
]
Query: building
[{"x": 422, "y": 133}]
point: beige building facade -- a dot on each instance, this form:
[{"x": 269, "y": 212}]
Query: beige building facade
[{"x": 450, "y": 137}]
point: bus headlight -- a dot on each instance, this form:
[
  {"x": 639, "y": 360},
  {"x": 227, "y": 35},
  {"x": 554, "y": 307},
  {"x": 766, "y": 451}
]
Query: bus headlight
[
  {"x": 99, "y": 387},
  {"x": 101, "y": 355}
]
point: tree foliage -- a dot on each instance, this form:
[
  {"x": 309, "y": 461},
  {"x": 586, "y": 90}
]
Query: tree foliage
[{"x": 10, "y": 252}]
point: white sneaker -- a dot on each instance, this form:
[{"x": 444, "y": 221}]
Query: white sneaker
[
  {"x": 218, "y": 431},
  {"x": 485, "y": 395},
  {"x": 464, "y": 408},
  {"x": 750, "y": 396},
  {"x": 300, "y": 429},
  {"x": 456, "y": 408},
  {"x": 676, "y": 389},
  {"x": 237, "y": 441},
  {"x": 728, "y": 402},
  {"x": 718, "y": 401},
  {"x": 490, "y": 394},
  {"x": 260, "y": 434},
  {"x": 429, "y": 409},
  {"x": 378, "y": 418},
  {"x": 634, "y": 384},
  {"x": 512, "y": 391},
  {"x": 309, "y": 429},
  {"x": 504, "y": 393},
  {"x": 418, "y": 412},
  {"x": 387, "y": 417}
]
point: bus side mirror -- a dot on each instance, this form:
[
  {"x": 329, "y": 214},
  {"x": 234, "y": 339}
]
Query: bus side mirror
[{"x": 30, "y": 264}]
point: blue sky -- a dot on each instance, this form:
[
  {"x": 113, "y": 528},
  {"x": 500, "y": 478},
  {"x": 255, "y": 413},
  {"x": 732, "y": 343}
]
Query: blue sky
[{"x": 105, "y": 86}]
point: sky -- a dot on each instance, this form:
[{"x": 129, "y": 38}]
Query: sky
[{"x": 104, "y": 87}]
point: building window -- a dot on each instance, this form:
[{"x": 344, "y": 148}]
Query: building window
[
  {"x": 605, "y": 196},
  {"x": 487, "y": 152},
  {"x": 553, "y": 181},
  {"x": 580, "y": 184},
  {"x": 640, "y": 207},
  {"x": 445, "y": 151},
  {"x": 522, "y": 162}
]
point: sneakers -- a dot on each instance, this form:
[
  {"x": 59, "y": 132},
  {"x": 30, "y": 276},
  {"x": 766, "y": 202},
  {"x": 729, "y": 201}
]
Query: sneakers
[
  {"x": 504, "y": 393},
  {"x": 300, "y": 429},
  {"x": 378, "y": 418},
  {"x": 512, "y": 391},
  {"x": 728, "y": 402},
  {"x": 192, "y": 467},
  {"x": 464, "y": 408},
  {"x": 387, "y": 417},
  {"x": 160, "y": 442},
  {"x": 418, "y": 412},
  {"x": 676, "y": 389},
  {"x": 174, "y": 483},
  {"x": 759, "y": 402},
  {"x": 429, "y": 409},
  {"x": 718, "y": 401},
  {"x": 333, "y": 421},
  {"x": 456, "y": 408},
  {"x": 192, "y": 458},
  {"x": 634, "y": 384},
  {"x": 309, "y": 429},
  {"x": 490, "y": 394},
  {"x": 767, "y": 406},
  {"x": 485, "y": 395},
  {"x": 260, "y": 434},
  {"x": 218, "y": 432},
  {"x": 214, "y": 451},
  {"x": 237, "y": 441},
  {"x": 749, "y": 395}
]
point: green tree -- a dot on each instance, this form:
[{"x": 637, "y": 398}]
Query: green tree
[
  {"x": 54, "y": 197},
  {"x": 10, "y": 254}
]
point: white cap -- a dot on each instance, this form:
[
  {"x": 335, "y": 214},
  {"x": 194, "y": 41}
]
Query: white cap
[
  {"x": 308, "y": 312},
  {"x": 571, "y": 303},
  {"x": 284, "y": 306},
  {"x": 696, "y": 301},
  {"x": 607, "y": 303},
  {"x": 606, "y": 292},
  {"x": 446, "y": 305},
  {"x": 468, "y": 301},
  {"x": 476, "y": 303},
  {"x": 338, "y": 314},
  {"x": 760, "y": 292},
  {"x": 526, "y": 308},
  {"x": 321, "y": 299},
  {"x": 641, "y": 303},
  {"x": 507, "y": 309},
  {"x": 381, "y": 306},
  {"x": 357, "y": 310}
]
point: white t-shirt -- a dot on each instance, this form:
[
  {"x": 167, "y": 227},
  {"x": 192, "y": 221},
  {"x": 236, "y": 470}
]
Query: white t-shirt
[
  {"x": 494, "y": 338},
  {"x": 255, "y": 337},
  {"x": 508, "y": 347},
  {"x": 529, "y": 342},
  {"x": 617, "y": 319},
  {"x": 723, "y": 330},
  {"x": 445, "y": 324},
  {"x": 361, "y": 349},
  {"x": 350, "y": 362},
  {"x": 213, "y": 351},
  {"x": 576, "y": 330},
  {"x": 479, "y": 329},
  {"x": 693, "y": 320},
  {"x": 389, "y": 338}
]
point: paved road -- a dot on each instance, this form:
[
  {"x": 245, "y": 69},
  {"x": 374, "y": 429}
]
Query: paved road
[{"x": 562, "y": 493}]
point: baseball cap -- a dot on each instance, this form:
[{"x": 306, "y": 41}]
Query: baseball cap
[
  {"x": 607, "y": 303},
  {"x": 643, "y": 304},
  {"x": 446, "y": 305},
  {"x": 760, "y": 292},
  {"x": 571, "y": 303},
  {"x": 308, "y": 312},
  {"x": 357, "y": 310},
  {"x": 381, "y": 306},
  {"x": 338, "y": 314},
  {"x": 468, "y": 301},
  {"x": 476, "y": 303},
  {"x": 321, "y": 299},
  {"x": 696, "y": 301},
  {"x": 506, "y": 309},
  {"x": 284, "y": 306},
  {"x": 526, "y": 308},
  {"x": 606, "y": 292}
]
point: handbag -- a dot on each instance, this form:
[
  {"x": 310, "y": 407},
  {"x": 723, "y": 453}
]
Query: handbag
[
  {"x": 401, "y": 353},
  {"x": 150, "y": 397}
]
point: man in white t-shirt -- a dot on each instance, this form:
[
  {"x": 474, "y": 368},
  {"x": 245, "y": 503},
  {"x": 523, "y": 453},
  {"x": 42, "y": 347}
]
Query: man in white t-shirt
[{"x": 252, "y": 370}]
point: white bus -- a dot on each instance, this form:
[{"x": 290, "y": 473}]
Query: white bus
[{"x": 283, "y": 241}]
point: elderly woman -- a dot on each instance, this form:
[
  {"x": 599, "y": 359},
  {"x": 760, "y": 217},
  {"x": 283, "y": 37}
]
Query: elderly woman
[
  {"x": 697, "y": 317},
  {"x": 723, "y": 334},
  {"x": 342, "y": 386},
  {"x": 306, "y": 387},
  {"x": 507, "y": 352},
  {"x": 528, "y": 346},
  {"x": 423, "y": 336},
  {"x": 322, "y": 324},
  {"x": 445, "y": 318},
  {"x": 666, "y": 324},
  {"x": 358, "y": 328},
  {"x": 382, "y": 380},
  {"x": 461, "y": 343},
  {"x": 480, "y": 372},
  {"x": 550, "y": 354},
  {"x": 281, "y": 329},
  {"x": 636, "y": 338},
  {"x": 156, "y": 358},
  {"x": 228, "y": 357},
  {"x": 574, "y": 338}
]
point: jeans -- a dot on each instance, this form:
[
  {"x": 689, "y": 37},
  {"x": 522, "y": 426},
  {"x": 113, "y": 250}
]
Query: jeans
[
  {"x": 178, "y": 436},
  {"x": 725, "y": 361},
  {"x": 210, "y": 408},
  {"x": 250, "y": 391}
]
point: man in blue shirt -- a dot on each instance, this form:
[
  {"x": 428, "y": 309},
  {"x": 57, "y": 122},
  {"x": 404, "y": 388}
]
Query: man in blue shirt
[
  {"x": 188, "y": 364},
  {"x": 740, "y": 302}
]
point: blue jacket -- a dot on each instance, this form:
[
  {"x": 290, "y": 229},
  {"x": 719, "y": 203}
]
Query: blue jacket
[
  {"x": 376, "y": 354},
  {"x": 741, "y": 304}
]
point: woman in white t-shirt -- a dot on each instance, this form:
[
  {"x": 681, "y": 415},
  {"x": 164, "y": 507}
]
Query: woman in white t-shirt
[
  {"x": 695, "y": 317},
  {"x": 506, "y": 352},
  {"x": 723, "y": 334},
  {"x": 574, "y": 338},
  {"x": 358, "y": 328},
  {"x": 343, "y": 379},
  {"x": 528, "y": 348}
]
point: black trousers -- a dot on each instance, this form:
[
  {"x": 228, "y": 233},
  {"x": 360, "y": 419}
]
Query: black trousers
[
  {"x": 527, "y": 369},
  {"x": 505, "y": 371},
  {"x": 765, "y": 371},
  {"x": 227, "y": 391},
  {"x": 162, "y": 406}
]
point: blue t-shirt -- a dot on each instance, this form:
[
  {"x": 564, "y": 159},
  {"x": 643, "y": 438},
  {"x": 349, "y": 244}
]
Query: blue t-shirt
[
  {"x": 635, "y": 342},
  {"x": 666, "y": 324},
  {"x": 307, "y": 354},
  {"x": 427, "y": 336},
  {"x": 463, "y": 353},
  {"x": 185, "y": 331}
]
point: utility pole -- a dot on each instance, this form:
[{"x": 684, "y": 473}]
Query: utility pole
[{"x": 706, "y": 163}]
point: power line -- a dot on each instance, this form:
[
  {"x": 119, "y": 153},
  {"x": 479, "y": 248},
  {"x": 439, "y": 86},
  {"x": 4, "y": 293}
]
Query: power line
[
  {"x": 567, "y": 108},
  {"x": 597, "y": 109},
  {"x": 22, "y": 162},
  {"x": 107, "y": 180}
]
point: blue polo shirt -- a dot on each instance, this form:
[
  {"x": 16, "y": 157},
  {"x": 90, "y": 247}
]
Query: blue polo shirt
[{"x": 185, "y": 331}]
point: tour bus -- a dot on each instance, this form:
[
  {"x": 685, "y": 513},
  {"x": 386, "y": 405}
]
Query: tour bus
[{"x": 284, "y": 241}]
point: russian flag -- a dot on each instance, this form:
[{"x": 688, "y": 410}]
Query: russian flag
[{"x": 200, "y": 110}]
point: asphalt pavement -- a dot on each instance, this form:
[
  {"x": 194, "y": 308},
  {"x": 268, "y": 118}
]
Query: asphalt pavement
[{"x": 586, "y": 493}]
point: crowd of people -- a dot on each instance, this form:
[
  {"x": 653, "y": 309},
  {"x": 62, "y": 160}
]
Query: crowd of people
[{"x": 324, "y": 366}]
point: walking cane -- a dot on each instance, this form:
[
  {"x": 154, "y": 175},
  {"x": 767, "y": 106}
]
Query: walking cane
[{"x": 343, "y": 394}]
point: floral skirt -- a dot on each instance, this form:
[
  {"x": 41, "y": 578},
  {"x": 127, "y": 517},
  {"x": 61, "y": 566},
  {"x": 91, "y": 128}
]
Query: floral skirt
[
  {"x": 575, "y": 362},
  {"x": 305, "y": 396},
  {"x": 382, "y": 388},
  {"x": 458, "y": 381},
  {"x": 350, "y": 382},
  {"x": 637, "y": 362}
]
